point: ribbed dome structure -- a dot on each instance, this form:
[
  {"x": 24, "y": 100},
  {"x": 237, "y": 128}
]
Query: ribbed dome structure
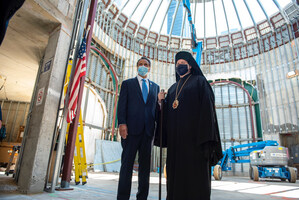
[{"x": 250, "y": 56}]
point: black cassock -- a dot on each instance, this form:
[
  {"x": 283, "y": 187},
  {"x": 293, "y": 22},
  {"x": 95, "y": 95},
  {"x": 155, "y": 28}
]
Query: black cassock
[{"x": 191, "y": 135}]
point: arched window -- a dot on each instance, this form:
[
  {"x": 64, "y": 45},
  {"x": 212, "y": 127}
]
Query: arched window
[
  {"x": 235, "y": 113},
  {"x": 236, "y": 116}
]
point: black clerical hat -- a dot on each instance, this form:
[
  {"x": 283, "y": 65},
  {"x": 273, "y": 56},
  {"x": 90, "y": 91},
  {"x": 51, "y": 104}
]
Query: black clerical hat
[{"x": 195, "y": 70}]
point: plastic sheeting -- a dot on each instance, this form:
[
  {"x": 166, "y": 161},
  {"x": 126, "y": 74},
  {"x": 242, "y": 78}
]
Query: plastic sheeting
[
  {"x": 109, "y": 153},
  {"x": 95, "y": 114}
]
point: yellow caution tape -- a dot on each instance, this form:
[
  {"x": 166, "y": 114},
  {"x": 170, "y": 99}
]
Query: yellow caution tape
[{"x": 104, "y": 163}]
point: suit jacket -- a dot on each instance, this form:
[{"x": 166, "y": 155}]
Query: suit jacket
[{"x": 133, "y": 111}]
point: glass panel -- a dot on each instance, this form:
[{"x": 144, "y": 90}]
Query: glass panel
[
  {"x": 232, "y": 91},
  {"x": 159, "y": 17},
  {"x": 130, "y": 7},
  {"x": 220, "y": 18},
  {"x": 199, "y": 22},
  {"x": 227, "y": 130},
  {"x": 231, "y": 16},
  {"x": 256, "y": 11},
  {"x": 98, "y": 73},
  {"x": 120, "y": 3},
  {"x": 136, "y": 17},
  {"x": 240, "y": 95},
  {"x": 88, "y": 64},
  {"x": 249, "y": 122},
  {"x": 149, "y": 16},
  {"x": 93, "y": 67},
  {"x": 243, "y": 14},
  {"x": 103, "y": 77},
  {"x": 283, "y": 3},
  {"x": 225, "y": 95},
  {"x": 269, "y": 7},
  {"x": 210, "y": 20},
  {"x": 217, "y": 93},
  {"x": 219, "y": 118},
  {"x": 235, "y": 124},
  {"x": 243, "y": 125}
]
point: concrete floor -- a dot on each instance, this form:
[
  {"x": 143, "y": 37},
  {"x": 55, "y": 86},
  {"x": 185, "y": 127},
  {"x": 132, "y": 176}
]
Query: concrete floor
[{"x": 104, "y": 186}]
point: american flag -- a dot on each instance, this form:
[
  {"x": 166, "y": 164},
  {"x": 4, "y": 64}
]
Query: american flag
[{"x": 79, "y": 72}]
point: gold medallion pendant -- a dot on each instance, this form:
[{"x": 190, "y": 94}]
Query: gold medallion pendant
[{"x": 175, "y": 104}]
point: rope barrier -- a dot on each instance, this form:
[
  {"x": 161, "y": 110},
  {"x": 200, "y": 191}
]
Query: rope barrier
[{"x": 104, "y": 163}]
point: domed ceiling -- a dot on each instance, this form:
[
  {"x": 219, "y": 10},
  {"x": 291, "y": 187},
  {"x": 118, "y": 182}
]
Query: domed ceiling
[{"x": 212, "y": 18}]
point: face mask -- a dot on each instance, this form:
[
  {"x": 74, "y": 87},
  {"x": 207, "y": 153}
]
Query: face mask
[
  {"x": 181, "y": 69},
  {"x": 142, "y": 70}
]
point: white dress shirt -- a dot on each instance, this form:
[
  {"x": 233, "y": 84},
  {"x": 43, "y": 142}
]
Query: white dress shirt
[{"x": 140, "y": 82}]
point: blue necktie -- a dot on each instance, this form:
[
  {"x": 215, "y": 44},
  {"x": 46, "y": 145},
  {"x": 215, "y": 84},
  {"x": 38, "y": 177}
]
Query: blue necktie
[{"x": 144, "y": 90}]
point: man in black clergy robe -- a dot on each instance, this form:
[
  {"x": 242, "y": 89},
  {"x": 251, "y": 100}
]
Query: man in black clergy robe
[{"x": 190, "y": 132}]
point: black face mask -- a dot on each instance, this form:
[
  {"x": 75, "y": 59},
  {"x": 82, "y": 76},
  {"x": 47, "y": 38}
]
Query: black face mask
[{"x": 181, "y": 69}]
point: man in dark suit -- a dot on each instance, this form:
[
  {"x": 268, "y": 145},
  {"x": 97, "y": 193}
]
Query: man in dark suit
[{"x": 137, "y": 109}]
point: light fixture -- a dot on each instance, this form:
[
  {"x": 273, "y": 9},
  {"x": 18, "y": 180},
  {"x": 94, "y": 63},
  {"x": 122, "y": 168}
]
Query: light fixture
[
  {"x": 3, "y": 77},
  {"x": 292, "y": 74},
  {"x": 4, "y": 80}
]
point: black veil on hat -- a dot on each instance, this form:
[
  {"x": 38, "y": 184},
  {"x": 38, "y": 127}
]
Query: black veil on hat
[{"x": 195, "y": 70}]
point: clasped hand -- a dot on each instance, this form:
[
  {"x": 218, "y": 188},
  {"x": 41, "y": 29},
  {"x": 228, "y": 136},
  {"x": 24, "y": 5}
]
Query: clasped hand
[{"x": 161, "y": 96}]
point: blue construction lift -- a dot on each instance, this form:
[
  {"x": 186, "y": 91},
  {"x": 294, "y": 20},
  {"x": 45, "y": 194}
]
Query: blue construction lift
[{"x": 267, "y": 160}]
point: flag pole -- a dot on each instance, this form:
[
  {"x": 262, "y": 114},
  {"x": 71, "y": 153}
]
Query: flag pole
[
  {"x": 69, "y": 154},
  {"x": 79, "y": 21}
]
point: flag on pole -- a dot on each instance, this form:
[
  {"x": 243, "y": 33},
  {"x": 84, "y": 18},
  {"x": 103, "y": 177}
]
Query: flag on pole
[{"x": 79, "y": 72}]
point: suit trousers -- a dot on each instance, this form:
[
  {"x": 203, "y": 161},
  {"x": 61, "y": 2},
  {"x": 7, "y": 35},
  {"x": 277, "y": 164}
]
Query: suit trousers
[{"x": 133, "y": 143}]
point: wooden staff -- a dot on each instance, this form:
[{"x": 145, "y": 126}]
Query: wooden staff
[{"x": 160, "y": 167}]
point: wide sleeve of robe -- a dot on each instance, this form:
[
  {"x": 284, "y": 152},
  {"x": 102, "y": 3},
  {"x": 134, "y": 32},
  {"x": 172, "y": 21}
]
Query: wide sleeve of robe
[{"x": 209, "y": 139}]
